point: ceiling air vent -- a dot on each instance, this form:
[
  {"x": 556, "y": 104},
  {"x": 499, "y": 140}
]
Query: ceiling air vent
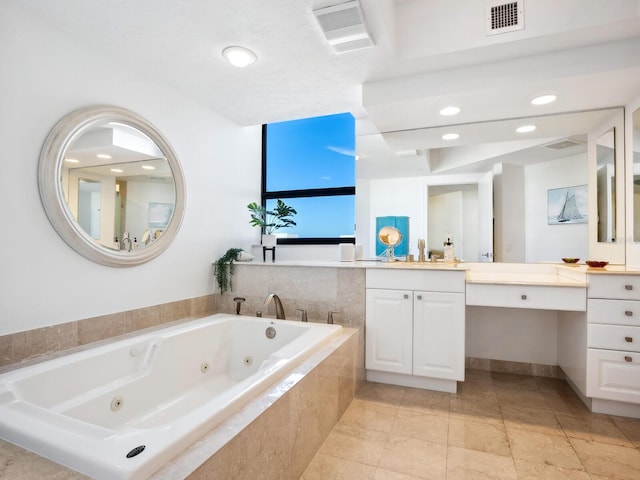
[
  {"x": 562, "y": 144},
  {"x": 504, "y": 16},
  {"x": 344, "y": 27}
]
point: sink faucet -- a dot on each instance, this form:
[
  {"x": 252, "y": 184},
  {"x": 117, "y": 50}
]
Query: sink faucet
[
  {"x": 126, "y": 244},
  {"x": 279, "y": 307}
]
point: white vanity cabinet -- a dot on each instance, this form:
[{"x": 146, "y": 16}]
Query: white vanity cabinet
[
  {"x": 415, "y": 323},
  {"x": 613, "y": 341}
]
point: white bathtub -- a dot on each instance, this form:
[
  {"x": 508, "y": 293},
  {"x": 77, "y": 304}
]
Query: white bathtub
[{"x": 161, "y": 391}]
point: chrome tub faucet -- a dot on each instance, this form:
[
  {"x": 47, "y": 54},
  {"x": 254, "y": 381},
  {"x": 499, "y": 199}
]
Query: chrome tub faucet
[{"x": 279, "y": 307}]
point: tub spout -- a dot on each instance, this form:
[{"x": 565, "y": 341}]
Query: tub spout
[
  {"x": 239, "y": 301},
  {"x": 279, "y": 307}
]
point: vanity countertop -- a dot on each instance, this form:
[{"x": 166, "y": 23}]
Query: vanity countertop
[{"x": 549, "y": 274}]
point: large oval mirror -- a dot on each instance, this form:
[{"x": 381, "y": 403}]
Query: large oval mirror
[{"x": 111, "y": 185}]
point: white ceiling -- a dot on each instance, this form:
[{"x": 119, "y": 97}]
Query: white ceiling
[{"x": 428, "y": 54}]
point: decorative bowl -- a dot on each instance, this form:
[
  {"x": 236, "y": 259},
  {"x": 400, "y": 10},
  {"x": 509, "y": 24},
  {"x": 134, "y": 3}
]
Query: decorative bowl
[
  {"x": 570, "y": 260},
  {"x": 596, "y": 263}
]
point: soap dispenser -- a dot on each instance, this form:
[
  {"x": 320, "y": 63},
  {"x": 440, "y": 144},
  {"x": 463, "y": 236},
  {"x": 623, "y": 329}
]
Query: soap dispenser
[{"x": 449, "y": 253}]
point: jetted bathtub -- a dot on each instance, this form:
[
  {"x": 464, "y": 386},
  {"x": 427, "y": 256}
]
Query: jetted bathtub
[{"x": 122, "y": 410}]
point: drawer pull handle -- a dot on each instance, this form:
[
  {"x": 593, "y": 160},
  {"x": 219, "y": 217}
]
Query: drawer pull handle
[
  {"x": 627, "y": 358},
  {"x": 405, "y": 295},
  {"x": 628, "y": 287},
  {"x": 419, "y": 297},
  {"x": 628, "y": 313},
  {"x": 628, "y": 339},
  {"x": 523, "y": 297}
]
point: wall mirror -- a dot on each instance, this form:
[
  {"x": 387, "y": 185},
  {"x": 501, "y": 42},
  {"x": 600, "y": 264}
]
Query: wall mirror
[
  {"x": 111, "y": 185},
  {"x": 606, "y": 186},
  {"x": 528, "y": 170},
  {"x": 635, "y": 153}
]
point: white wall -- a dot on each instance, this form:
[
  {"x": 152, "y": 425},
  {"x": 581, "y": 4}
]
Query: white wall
[
  {"x": 393, "y": 196},
  {"x": 552, "y": 242},
  {"x": 44, "y": 282}
]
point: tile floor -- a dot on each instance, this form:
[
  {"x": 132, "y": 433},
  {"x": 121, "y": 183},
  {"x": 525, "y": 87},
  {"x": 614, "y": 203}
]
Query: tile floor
[{"x": 498, "y": 426}]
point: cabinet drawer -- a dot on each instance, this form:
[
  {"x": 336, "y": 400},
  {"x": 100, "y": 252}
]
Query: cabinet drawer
[
  {"x": 624, "y": 287},
  {"x": 527, "y": 296},
  {"x": 417, "y": 279},
  {"x": 615, "y": 312},
  {"x": 613, "y": 375},
  {"x": 613, "y": 337}
]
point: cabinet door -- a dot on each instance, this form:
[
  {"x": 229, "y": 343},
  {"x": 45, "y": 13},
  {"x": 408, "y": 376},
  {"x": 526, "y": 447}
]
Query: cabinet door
[
  {"x": 613, "y": 375},
  {"x": 438, "y": 335},
  {"x": 389, "y": 320}
]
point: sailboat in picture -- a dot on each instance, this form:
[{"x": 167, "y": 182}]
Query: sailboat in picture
[
  {"x": 569, "y": 211},
  {"x": 567, "y": 205}
]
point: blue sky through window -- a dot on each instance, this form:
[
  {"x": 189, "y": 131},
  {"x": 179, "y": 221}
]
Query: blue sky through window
[
  {"x": 314, "y": 153},
  {"x": 311, "y": 153}
]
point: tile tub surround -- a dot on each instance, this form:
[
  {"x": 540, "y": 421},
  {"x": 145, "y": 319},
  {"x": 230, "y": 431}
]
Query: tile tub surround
[
  {"x": 317, "y": 289},
  {"x": 21, "y": 346},
  {"x": 274, "y": 436}
]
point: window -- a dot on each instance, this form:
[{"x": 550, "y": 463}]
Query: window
[{"x": 310, "y": 165}]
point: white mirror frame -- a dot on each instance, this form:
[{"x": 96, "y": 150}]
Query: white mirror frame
[
  {"x": 633, "y": 247},
  {"x": 52, "y": 196},
  {"x": 613, "y": 253}
]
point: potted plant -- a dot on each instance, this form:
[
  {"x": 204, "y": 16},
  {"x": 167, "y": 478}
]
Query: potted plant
[
  {"x": 271, "y": 220},
  {"x": 223, "y": 269}
]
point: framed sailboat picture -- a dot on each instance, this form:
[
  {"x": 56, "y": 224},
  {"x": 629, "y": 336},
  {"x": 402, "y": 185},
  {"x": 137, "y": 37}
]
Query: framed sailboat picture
[{"x": 567, "y": 205}]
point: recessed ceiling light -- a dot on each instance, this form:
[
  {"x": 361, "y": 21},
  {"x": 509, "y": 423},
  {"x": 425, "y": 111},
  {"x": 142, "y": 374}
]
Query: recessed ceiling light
[
  {"x": 239, "y": 56},
  {"x": 148, "y": 167},
  {"x": 449, "y": 111},
  {"x": 526, "y": 129},
  {"x": 450, "y": 136},
  {"x": 117, "y": 170},
  {"x": 103, "y": 155},
  {"x": 71, "y": 160},
  {"x": 544, "y": 99}
]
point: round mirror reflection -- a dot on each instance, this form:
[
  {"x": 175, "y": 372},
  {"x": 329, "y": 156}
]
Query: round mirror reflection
[{"x": 111, "y": 185}]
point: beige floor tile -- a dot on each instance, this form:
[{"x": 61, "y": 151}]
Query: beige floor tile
[
  {"x": 540, "y": 471},
  {"x": 382, "y": 474},
  {"x": 478, "y": 376},
  {"x": 477, "y": 408},
  {"x": 426, "y": 401},
  {"x": 540, "y": 421},
  {"x": 595, "y": 428},
  {"x": 565, "y": 403},
  {"x": 612, "y": 461},
  {"x": 541, "y": 448},
  {"x": 630, "y": 427},
  {"x": 355, "y": 444},
  {"x": 390, "y": 395},
  {"x": 421, "y": 426},
  {"x": 369, "y": 415},
  {"x": 415, "y": 457},
  {"x": 327, "y": 467},
  {"x": 559, "y": 385},
  {"x": 482, "y": 437},
  {"x": 467, "y": 464},
  {"x": 471, "y": 389},
  {"x": 513, "y": 381},
  {"x": 531, "y": 399}
]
